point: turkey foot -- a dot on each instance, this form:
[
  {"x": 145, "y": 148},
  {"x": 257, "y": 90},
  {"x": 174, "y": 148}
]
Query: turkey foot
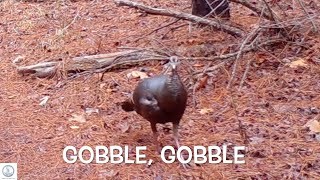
[
  {"x": 155, "y": 138},
  {"x": 176, "y": 139}
]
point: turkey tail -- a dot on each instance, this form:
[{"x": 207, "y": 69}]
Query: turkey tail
[{"x": 127, "y": 105}]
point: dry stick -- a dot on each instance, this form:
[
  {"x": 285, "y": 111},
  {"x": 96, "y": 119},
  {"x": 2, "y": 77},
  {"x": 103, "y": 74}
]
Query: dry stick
[
  {"x": 262, "y": 13},
  {"x": 162, "y": 58},
  {"x": 315, "y": 29},
  {"x": 285, "y": 32},
  {"x": 242, "y": 131},
  {"x": 253, "y": 8},
  {"x": 227, "y": 57},
  {"x": 244, "y": 77},
  {"x": 185, "y": 16},
  {"x": 172, "y": 29},
  {"x": 158, "y": 51},
  {"x": 254, "y": 37},
  {"x": 67, "y": 26},
  {"x": 286, "y": 24},
  {"x": 253, "y": 34},
  {"x": 118, "y": 64},
  {"x": 106, "y": 62},
  {"x": 249, "y": 37},
  {"x": 302, "y": 41},
  {"x": 157, "y": 29},
  {"x": 270, "y": 10},
  {"x": 168, "y": 49}
]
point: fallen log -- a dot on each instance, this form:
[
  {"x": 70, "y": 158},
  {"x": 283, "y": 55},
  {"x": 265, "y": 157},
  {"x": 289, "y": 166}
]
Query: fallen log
[
  {"x": 94, "y": 63},
  {"x": 106, "y": 62}
]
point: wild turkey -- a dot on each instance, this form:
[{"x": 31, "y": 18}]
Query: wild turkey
[
  {"x": 160, "y": 99},
  {"x": 218, "y": 7}
]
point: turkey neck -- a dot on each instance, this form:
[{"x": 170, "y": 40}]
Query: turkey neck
[{"x": 174, "y": 83}]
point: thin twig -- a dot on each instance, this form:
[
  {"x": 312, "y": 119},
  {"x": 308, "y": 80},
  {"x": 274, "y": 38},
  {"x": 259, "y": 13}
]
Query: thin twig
[
  {"x": 242, "y": 130},
  {"x": 284, "y": 32},
  {"x": 172, "y": 29},
  {"x": 157, "y": 29},
  {"x": 270, "y": 10},
  {"x": 315, "y": 29},
  {"x": 235, "y": 31},
  {"x": 253, "y": 8},
  {"x": 249, "y": 37},
  {"x": 302, "y": 41},
  {"x": 244, "y": 77}
]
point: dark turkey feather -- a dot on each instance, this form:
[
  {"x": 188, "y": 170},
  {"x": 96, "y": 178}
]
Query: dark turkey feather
[{"x": 160, "y": 99}]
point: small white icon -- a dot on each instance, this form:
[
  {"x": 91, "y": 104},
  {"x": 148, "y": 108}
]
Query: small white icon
[{"x": 8, "y": 171}]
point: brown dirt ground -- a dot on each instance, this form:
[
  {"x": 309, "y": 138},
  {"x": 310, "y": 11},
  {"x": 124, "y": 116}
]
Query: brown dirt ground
[{"x": 275, "y": 103}]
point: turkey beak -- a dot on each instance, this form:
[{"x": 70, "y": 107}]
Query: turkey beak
[
  {"x": 174, "y": 62},
  {"x": 173, "y": 65}
]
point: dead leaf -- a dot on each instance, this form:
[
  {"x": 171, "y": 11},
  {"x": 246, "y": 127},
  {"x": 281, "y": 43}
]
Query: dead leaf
[
  {"x": 11, "y": 97},
  {"x": 44, "y": 100},
  {"x": 260, "y": 58},
  {"x": 191, "y": 41},
  {"x": 102, "y": 85},
  {"x": 108, "y": 173},
  {"x": 225, "y": 50},
  {"x": 18, "y": 59},
  {"x": 74, "y": 127},
  {"x": 124, "y": 127},
  {"x": 91, "y": 110},
  {"x": 79, "y": 118},
  {"x": 109, "y": 90},
  {"x": 197, "y": 65},
  {"x": 256, "y": 140},
  {"x": 137, "y": 74},
  {"x": 298, "y": 63},
  {"x": 313, "y": 125},
  {"x": 202, "y": 82},
  {"x": 206, "y": 110}
]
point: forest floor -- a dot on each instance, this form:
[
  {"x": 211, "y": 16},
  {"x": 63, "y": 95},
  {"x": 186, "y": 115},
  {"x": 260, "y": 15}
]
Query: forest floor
[{"x": 280, "y": 95}]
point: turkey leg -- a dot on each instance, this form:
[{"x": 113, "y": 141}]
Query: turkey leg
[
  {"x": 176, "y": 139},
  {"x": 155, "y": 137}
]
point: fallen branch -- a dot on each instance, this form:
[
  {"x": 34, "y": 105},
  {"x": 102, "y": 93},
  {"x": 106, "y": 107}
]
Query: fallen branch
[
  {"x": 315, "y": 29},
  {"x": 254, "y": 9},
  {"x": 185, "y": 16},
  {"x": 106, "y": 62},
  {"x": 242, "y": 130},
  {"x": 253, "y": 36},
  {"x": 157, "y": 29},
  {"x": 92, "y": 64}
]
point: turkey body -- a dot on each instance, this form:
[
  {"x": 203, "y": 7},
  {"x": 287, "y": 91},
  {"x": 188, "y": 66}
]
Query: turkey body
[{"x": 160, "y": 99}]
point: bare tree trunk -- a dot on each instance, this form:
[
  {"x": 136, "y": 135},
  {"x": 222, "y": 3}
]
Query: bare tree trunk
[{"x": 211, "y": 8}]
